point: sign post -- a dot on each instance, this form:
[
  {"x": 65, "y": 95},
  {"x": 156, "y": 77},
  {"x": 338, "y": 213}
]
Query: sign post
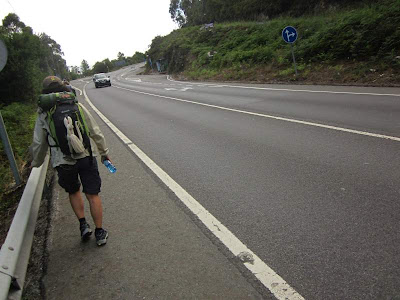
[
  {"x": 289, "y": 35},
  {"x": 8, "y": 150}
]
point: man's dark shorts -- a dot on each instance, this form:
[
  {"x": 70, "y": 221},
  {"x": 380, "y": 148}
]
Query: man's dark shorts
[{"x": 68, "y": 176}]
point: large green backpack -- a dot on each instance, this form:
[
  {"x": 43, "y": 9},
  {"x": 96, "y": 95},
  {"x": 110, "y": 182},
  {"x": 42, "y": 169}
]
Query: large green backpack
[{"x": 61, "y": 106}]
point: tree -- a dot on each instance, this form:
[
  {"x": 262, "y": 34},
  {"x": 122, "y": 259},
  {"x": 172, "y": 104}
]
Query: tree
[
  {"x": 30, "y": 59},
  {"x": 138, "y": 57},
  {"x": 191, "y": 12},
  {"x": 121, "y": 56},
  {"x": 52, "y": 44},
  {"x": 74, "y": 73},
  {"x": 196, "y": 12},
  {"x": 85, "y": 68},
  {"x": 176, "y": 12},
  {"x": 13, "y": 24},
  {"x": 100, "y": 67},
  {"x": 51, "y": 60},
  {"x": 109, "y": 65},
  {"x": 20, "y": 79}
]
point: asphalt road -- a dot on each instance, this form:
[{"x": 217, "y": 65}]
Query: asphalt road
[{"x": 317, "y": 203}]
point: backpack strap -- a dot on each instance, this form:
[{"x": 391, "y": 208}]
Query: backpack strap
[
  {"x": 81, "y": 117},
  {"x": 83, "y": 120},
  {"x": 48, "y": 142},
  {"x": 52, "y": 128}
]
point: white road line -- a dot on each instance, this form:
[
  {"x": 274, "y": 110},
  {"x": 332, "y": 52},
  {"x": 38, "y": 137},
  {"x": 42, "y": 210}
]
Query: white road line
[
  {"x": 133, "y": 79},
  {"x": 80, "y": 91},
  {"x": 381, "y": 136},
  {"x": 268, "y": 277},
  {"x": 284, "y": 90}
]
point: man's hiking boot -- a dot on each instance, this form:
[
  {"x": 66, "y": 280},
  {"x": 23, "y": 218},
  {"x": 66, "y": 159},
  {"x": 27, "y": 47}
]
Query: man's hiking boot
[
  {"x": 86, "y": 232},
  {"x": 101, "y": 237}
]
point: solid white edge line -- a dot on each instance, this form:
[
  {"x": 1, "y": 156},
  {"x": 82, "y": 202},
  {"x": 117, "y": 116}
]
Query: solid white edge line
[
  {"x": 388, "y": 137},
  {"x": 80, "y": 91},
  {"x": 109, "y": 124},
  {"x": 277, "y": 89},
  {"x": 268, "y": 277}
]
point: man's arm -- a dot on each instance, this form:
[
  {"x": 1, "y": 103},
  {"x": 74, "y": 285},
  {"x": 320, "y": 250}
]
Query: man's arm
[
  {"x": 95, "y": 132},
  {"x": 39, "y": 145}
]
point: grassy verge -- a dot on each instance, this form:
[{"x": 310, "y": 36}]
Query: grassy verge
[
  {"x": 339, "y": 74},
  {"x": 19, "y": 120},
  {"x": 358, "y": 46}
]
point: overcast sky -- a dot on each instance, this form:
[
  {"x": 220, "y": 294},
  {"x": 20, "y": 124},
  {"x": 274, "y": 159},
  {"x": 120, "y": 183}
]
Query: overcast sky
[{"x": 95, "y": 29}]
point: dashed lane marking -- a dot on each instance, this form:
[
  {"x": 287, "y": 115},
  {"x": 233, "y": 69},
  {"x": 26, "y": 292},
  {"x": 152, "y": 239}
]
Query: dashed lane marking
[
  {"x": 283, "y": 90},
  {"x": 381, "y": 136}
]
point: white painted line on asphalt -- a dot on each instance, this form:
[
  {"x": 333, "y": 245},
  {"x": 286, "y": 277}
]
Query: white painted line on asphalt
[
  {"x": 268, "y": 277},
  {"x": 133, "y": 79},
  {"x": 284, "y": 90},
  {"x": 381, "y": 136},
  {"x": 111, "y": 125},
  {"x": 80, "y": 91},
  {"x": 85, "y": 81},
  {"x": 179, "y": 90}
]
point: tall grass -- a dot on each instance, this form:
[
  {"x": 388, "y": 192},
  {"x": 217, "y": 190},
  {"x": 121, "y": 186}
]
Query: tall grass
[{"x": 19, "y": 119}]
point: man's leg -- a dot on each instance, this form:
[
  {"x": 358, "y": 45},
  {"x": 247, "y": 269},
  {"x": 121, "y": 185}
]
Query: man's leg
[
  {"x": 68, "y": 180},
  {"x": 96, "y": 209},
  {"x": 79, "y": 210},
  {"x": 77, "y": 204},
  {"x": 91, "y": 181}
]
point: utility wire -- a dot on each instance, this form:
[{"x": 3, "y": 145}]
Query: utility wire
[{"x": 12, "y": 6}]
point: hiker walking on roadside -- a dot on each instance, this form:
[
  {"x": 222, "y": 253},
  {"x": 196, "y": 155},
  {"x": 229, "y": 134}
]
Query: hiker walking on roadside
[{"x": 69, "y": 130}]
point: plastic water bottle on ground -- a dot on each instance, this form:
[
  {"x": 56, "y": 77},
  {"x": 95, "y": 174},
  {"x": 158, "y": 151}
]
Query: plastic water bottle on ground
[{"x": 110, "y": 166}]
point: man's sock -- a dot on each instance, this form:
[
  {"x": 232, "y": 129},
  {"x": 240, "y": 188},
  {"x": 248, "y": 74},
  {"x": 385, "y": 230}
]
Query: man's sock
[{"x": 82, "y": 221}]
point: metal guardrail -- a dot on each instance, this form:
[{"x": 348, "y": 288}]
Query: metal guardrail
[{"x": 15, "y": 252}]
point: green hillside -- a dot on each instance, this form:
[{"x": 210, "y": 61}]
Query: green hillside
[{"x": 353, "y": 46}]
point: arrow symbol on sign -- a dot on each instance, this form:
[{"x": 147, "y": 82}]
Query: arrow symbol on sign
[{"x": 289, "y": 35}]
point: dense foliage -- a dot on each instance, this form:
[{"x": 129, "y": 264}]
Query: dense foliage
[
  {"x": 196, "y": 12},
  {"x": 30, "y": 58},
  {"x": 107, "y": 65},
  {"x": 366, "y": 35}
]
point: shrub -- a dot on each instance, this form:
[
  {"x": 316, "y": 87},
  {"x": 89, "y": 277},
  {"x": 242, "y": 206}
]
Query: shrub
[
  {"x": 19, "y": 119},
  {"x": 366, "y": 34}
]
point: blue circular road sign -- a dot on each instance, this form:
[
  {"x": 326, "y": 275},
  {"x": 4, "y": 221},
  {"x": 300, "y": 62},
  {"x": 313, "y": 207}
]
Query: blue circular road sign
[{"x": 289, "y": 34}]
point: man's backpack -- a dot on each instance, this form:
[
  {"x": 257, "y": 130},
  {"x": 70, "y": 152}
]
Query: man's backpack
[{"x": 66, "y": 122}]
